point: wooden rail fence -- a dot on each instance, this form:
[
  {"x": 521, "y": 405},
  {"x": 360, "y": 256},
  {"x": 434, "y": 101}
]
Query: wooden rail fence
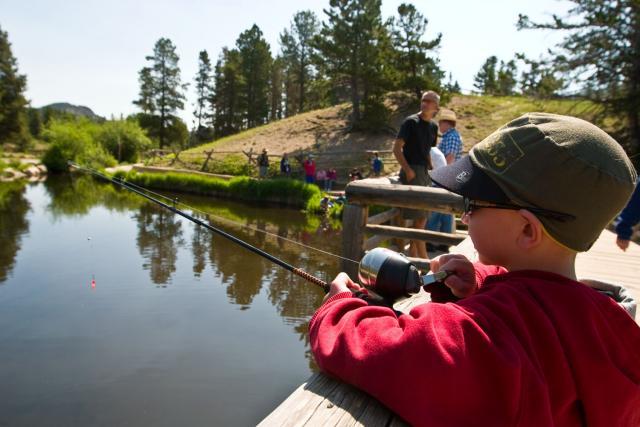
[{"x": 362, "y": 232}]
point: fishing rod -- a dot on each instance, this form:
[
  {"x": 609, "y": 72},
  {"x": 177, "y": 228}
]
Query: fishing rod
[
  {"x": 390, "y": 275},
  {"x": 297, "y": 271}
]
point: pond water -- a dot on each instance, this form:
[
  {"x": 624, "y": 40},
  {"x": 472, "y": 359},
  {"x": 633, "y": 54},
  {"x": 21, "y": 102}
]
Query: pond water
[{"x": 182, "y": 327}]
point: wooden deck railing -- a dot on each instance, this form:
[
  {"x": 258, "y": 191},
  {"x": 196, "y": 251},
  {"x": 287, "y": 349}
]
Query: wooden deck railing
[{"x": 362, "y": 232}]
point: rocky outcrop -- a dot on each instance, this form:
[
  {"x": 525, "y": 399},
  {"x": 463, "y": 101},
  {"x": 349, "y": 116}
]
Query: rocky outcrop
[{"x": 35, "y": 172}]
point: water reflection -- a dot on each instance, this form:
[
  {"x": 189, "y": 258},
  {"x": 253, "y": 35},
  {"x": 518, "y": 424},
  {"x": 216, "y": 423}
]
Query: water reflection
[
  {"x": 224, "y": 347},
  {"x": 200, "y": 242},
  {"x": 13, "y": 224},
  {"x": 77, "y": 194},
  {"x": 159, "y": 236}
]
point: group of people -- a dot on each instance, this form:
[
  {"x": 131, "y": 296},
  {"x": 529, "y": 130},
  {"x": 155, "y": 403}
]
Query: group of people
[
  {"x": 514, "y": 337},
  {"x": 325, "y": 179}
]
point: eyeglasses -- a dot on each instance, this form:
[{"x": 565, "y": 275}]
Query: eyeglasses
[{"x": 471, "y": 205}]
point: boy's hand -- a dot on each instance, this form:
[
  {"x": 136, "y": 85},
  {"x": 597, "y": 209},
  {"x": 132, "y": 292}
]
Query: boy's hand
[
  {"x": 463, "y": 280},
  {"x": 342, "y": 283}
]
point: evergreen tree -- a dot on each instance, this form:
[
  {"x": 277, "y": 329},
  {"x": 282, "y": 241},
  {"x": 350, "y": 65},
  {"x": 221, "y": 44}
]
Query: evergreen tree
[
  {"x": 296, "y": 45},
  {"x": 228, "y": 81},
  {"x": 146, "y": 102},
  {"x": 276, "y": 89},
  {"x": 255, "y": 67},
  {"x": 204, "y": 91},
  {"x": 418, "y": 72},
  {"x": 290, "y": 91},
  {"x": 35, "y": 122},
  {"x": 13, "y": 122},
  {"x": 161, "y": 90},
  {"x": 485, "y": 80},
  {"x": 452, "y": 87},
  {"x": 506, "y": 78},
  {"x": 601, "y": 49},
  {"x": 539, "y": 80},
  {"x": 354, "y": 50}
]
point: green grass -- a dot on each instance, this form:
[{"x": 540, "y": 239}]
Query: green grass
[
  {"x": 287, "y": 192},
  {"x": 479, "y": 116}
]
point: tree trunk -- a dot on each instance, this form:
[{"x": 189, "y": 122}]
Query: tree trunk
[
  {"x": 355, "y": 99},
  {"x": 301, "y": 94}
]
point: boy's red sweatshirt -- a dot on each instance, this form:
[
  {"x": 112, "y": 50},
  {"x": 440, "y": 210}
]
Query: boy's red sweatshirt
[{"x": 530, "y": 348}]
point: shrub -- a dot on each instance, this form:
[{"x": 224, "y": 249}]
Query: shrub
[
  {"x": 284, "y": 191},
  {"x": 123, "y": 139},
  {"x": 74, "y": 140}
]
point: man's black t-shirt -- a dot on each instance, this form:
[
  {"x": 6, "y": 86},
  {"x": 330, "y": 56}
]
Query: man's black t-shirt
[{"x": 418, "y": 136}]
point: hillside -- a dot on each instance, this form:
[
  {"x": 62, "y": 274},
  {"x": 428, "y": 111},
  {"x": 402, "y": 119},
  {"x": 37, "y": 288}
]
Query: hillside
[
  {"x": 325, "y": 132},
  {"x": 77, "y": 110}
]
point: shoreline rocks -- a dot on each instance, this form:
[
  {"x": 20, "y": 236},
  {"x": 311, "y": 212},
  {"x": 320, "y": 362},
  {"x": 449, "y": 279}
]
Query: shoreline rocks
[{"x": 35, "y": 172}]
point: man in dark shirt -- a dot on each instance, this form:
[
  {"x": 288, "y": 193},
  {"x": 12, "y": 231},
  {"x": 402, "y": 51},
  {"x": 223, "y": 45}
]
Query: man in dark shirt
[{"x": 411, "y": 148}]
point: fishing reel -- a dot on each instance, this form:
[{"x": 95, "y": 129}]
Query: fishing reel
[{"x": 392, "y": 276}]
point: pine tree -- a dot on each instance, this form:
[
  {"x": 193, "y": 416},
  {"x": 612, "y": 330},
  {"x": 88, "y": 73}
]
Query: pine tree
[
  {"x": 146, "y": 102},
  {"x": 296, "y": 45},
  {"x": 35, "y": 122},
  {"x": 506, "y": 78},
  {"x": 161, "y": 91},
  {"x": 13, "y": 121},
  {"x": 485, "y": 80},
  {"x": 539, "y": 80},
  {"x": 451, "y": 86},
  {"x": 291, "y": 92},
  {"x": 601, "y": 49},
  {"x": 354, "y": 51},
  {"x": 228, "y": 81},
  {"x": 255, "y": 65},
  {"x": 418, "y": 72},
  {"x": 204, "y": 90},
  {"x": 276, "y": 89}
]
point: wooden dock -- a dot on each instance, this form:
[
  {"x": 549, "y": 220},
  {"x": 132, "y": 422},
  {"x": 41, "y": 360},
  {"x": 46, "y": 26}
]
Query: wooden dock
[{"x": 322, "y": 400}]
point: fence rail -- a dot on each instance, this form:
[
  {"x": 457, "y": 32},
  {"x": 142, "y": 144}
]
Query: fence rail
[{"x": 361, "y": 232}]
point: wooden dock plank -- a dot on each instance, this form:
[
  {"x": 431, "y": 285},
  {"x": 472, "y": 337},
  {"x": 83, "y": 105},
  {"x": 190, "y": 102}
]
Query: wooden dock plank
[{"x": 326, "y": 401}]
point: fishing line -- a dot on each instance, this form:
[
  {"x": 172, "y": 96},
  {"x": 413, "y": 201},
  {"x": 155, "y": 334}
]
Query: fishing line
[
  {"x": 275, "y": 260},
  {"x": 175, "y": 201}
]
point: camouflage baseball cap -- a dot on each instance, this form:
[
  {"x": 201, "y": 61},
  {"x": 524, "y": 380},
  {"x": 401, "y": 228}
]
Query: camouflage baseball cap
[{"x": 550, "y": 162}]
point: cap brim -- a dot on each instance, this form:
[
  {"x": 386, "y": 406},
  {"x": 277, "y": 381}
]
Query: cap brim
[{"x": 464, "y": 178}]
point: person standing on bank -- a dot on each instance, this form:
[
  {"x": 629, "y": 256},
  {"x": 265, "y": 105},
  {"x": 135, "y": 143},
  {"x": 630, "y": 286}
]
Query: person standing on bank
[
  {"x": 411, "y": 148},
  {"x": 285, "y": 166},
  {"x": 263, "y": 163},
  {"x": 451, "y": 147}
]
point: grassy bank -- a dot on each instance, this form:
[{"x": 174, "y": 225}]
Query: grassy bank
[{"x": 288, "y": 192}]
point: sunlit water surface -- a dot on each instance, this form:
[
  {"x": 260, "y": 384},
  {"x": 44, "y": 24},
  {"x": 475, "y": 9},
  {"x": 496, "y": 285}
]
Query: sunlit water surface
[{"x": 182, "y": 327}]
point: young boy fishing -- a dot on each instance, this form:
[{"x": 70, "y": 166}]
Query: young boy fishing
[{"x": 515, "y": 339}]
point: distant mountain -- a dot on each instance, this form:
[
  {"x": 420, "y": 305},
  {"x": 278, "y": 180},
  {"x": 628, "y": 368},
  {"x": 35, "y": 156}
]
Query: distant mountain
[{"x": 77, "y": 110}]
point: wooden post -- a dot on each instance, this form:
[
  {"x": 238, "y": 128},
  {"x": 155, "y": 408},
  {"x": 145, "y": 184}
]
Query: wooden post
[
  {"x": 204, "y": 165},
  {"x": 354, "y": 218},
  {"x": 249, "y": 155},
  {"x": 176, "y": 159}
]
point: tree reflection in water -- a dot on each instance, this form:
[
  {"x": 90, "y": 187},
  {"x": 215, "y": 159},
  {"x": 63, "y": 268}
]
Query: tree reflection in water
[
  {"x": 200, "y": 247},
  {"x": 159, "y": 236},
  {"x": 13, "y": 224}
]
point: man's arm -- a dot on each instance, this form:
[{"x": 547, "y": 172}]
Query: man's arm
[
  {"x": 397, "y": 152},
  {"x": 629, "y": 217},
  {"x": 451, "y": 157}
]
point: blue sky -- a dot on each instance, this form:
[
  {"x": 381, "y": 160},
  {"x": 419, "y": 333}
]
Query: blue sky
[{"x": 89, "y": 52}]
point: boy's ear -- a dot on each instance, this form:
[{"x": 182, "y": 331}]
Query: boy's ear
[{"x": 532, "y": 231}]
